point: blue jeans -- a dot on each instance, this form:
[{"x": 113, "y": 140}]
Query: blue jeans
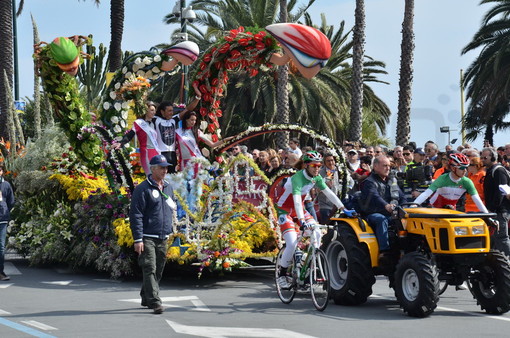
[
  {"x": 380, "y": 223},
  {"x": 3, "y": 235}
]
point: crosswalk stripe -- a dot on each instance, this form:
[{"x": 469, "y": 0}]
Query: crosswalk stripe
[{"x": 39, "y": 325}]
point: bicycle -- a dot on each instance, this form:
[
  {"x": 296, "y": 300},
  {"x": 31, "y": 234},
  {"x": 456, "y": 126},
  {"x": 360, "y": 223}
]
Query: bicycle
[{"x": 313, "y": 274}]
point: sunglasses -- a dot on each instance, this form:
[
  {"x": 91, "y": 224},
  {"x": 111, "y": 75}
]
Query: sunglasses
[
  {"x": 407, "y": 154},
  {"x": 461, "y": 167},
  {"x": 315, "y": 165}
]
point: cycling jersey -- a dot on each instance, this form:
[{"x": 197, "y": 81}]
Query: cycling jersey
[
  {"x": 299, "y": 184},
  {"x": 446, "y": 192}
]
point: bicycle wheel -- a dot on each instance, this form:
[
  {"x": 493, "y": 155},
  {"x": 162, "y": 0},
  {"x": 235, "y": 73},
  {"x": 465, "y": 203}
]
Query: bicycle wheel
[
  {"x": 286, "y": 295},
  {"x": 319, "y": 280}
]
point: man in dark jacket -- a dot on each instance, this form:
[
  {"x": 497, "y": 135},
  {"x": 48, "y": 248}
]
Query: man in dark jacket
[
  {"x": 150, "y": 217},
  {"x": 6, "y": 205},
  {"x": 495, "y": 200},
  {"x": 379, "y": 196}
]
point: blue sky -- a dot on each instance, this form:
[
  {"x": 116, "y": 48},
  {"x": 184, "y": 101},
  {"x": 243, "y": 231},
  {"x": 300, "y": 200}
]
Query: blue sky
[{"x": 442, "y": 29}]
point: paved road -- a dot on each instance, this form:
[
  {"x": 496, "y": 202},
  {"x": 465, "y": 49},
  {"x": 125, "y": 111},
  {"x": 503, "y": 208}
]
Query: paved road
[{"x": 55, "y": 302}]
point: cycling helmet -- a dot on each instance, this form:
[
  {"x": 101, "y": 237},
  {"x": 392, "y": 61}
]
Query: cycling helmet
[
  {"x": 312, "y": 156},
  {"x": 458, "y": 160}
]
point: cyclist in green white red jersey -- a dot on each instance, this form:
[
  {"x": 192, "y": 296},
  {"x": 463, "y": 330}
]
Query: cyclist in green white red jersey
[
  {"x": 290, "y": 205},
  {"x": 448, "y": 188}
]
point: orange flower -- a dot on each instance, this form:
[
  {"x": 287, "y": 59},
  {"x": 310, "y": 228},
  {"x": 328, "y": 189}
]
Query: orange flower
[
  {"x": 207, "y": 263},
  {"x": 216, "y": 254},
  {"x": 226, "y": 265}
]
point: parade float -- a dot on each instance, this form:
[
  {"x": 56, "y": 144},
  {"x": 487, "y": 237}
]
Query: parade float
[{"x": 74, "y": 210}]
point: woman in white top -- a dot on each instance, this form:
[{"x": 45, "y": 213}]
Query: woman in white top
[
  {"x": 187, "y": 137},
  {"x": 144, "y": 130}
]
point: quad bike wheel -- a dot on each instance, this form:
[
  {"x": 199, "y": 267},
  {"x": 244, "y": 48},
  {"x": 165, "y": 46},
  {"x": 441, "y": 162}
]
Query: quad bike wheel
[
  {"x": 351, "y": 274},
  {"x": 490, "y": 284},
  {"x": 417, "y": 284}
]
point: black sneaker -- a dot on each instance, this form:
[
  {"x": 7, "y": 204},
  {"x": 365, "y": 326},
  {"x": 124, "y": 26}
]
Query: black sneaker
[{"x": 4, "y": 277}]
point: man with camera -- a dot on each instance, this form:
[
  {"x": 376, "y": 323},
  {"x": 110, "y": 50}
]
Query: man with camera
[{"x": 418, "y": 173}]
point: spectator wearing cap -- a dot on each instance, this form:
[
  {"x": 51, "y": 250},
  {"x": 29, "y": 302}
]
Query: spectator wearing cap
[
  {"x": 352, "y": 158},
  {"x": 150, "y": 217},
  {"x": 419, "y": 157}
]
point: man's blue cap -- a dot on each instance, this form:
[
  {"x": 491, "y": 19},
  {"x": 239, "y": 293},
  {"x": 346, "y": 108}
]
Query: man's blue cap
[{"x": 159, "y": 160}]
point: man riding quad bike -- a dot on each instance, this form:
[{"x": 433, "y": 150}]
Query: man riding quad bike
[{"x": 426, "y": 245}]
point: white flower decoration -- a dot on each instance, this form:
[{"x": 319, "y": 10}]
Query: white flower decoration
[
  {"x": 140, "y": 73},
  {"x": 117, "y": 106},
  {"x": 106, "y": 105},
  {"x": 124, "y": 114},
  {"x": 136, "y": 67},
  {"x": 113, "y": 95},
  {"x": 115, "y": 119},
  {"x": 122, "y": 124},
  {"x": 156, "y": 70},
  {"x": 117, "y": 129},
  {"x": 147, "y": 60},
  {"x": 157, "y": 58},
  {"x": 117, "y": 86},
  {"x": 138, "y": 61},
  {"x": 124, "y": 70},
  {"x": 148, "y": 74},
  {"x": 128, "y": 75},
  {"x": 203, "y": 125}
]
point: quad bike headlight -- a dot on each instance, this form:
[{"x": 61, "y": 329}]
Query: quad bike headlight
[
  {"x": 478, "y": 230},
  {"x": 461, "y": 231}
]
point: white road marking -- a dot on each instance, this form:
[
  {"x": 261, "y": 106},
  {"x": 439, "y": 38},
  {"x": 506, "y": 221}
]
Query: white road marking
[
  {"x": 222, "y": 332},
  {"x": 108, "y": 280},
  {"x": 2, "y": 312},
  {"x": 10, "y": 269},
  {"x": 197, "y": 303},
  {"x": 61, "y": 282},
  {"x": 5, "y": 286},
  {"x": 39, "y": 325}
]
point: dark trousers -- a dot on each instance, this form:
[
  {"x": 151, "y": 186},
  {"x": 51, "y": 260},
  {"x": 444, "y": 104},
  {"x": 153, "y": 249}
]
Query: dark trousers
[
  {"x": 500, "y": 239},
  {"x": 152, "y": 261}
]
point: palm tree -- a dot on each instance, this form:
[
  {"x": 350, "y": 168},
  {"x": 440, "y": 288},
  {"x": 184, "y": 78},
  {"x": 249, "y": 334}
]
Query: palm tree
[
  {"x": 322, "y": 102},
  {"x": 282, "y": 92},
  {"x": 488, "y": 77},
  {"x": 355, "y": 129},
  {"x": 6, "y": 61},
  {"x": 406, "y": 76},
  {"x": 116, "y": 32}
]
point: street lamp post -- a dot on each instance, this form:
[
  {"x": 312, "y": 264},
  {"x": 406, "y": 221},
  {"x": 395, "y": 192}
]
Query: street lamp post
[
  {"x": 187, "y": 15},
  {"x": 446, "y": 129}
]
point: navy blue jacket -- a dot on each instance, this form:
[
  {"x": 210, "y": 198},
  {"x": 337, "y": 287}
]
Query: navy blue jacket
[
  {"x": 150, "y": 215},
  {"x": 7, "y": 202},
  {"x": 376, "y": 194}
]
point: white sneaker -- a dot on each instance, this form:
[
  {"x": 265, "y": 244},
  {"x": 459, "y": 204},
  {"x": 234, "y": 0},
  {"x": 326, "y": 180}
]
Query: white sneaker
[
  {"x": 283, "y": 282},
  {"x": 461, "y": 287}
]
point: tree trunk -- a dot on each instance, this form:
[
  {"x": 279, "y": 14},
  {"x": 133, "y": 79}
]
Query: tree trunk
[
  {"x": 489, "y": 133},
  {"x": 116, "y": 31},
  {"x": 282, "y": 94},
  {"x": 6, "y": 62},
  {"x": 355, "y": 128},
  {"x": 406, "y": 76}
]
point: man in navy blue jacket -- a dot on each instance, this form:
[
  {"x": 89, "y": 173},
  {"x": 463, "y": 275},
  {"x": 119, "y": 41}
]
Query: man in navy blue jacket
[
  {"x": 150, "y": 217},
  {"x": 6, "y": 205},
  {"x": 379, "y": 196}
]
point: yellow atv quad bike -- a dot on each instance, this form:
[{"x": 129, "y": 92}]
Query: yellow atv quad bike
[{"x": 427, "y": 245}]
